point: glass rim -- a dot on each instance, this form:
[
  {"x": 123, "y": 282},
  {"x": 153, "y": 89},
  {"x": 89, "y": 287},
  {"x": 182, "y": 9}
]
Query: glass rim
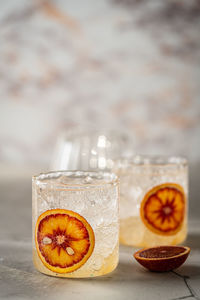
[
  {"x": 153, "y": 160},
  {"x": 80, "y": 173},
  {"x": 77, "y": 131}
]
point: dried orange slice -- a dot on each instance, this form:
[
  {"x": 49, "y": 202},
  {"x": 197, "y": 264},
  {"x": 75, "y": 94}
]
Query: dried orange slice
[
  {"x": 64, "y": 240},
  {"x": 163, "y": 209},
  {"x": 162, "y": 258}
]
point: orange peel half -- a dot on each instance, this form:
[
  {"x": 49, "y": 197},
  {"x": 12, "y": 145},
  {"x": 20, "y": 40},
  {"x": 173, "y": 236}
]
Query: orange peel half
[{"x": 162, "y": 258}]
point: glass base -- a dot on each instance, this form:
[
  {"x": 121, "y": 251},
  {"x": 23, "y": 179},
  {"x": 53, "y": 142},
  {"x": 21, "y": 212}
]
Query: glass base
[{"x": 110, "y": 263}]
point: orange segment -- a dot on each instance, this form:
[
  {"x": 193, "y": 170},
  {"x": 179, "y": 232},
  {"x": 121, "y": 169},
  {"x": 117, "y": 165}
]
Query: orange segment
[
  {"x": 64, "y": 240},
  {"x": 163, "y": 208}
]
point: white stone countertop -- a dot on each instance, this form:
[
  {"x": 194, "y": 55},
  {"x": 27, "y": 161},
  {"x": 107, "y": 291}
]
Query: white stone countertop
[{"x": 19, "y": 279}]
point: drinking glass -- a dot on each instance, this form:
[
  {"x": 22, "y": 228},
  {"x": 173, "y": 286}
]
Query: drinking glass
[
  {"x": 87, "y": 149},
  {"x": 75, "y": 223},
  {"x": 153, "y": 200}
]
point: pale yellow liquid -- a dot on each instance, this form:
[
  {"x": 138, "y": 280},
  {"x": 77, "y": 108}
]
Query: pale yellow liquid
[
  {"x": 134, "y": 233},
  {"x": 87, "y": 270}
]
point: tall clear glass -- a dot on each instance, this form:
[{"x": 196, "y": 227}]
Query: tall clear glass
[
  {"x": 153, "y": 200},
  {"x": 75, "y": 223},
  {"x": 87, "y": 149}
]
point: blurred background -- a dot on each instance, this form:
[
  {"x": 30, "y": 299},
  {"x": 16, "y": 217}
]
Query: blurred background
[{"x": 127, "y": 65}]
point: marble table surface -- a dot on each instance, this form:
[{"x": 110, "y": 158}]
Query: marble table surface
[{"x": 19, "y": 279}]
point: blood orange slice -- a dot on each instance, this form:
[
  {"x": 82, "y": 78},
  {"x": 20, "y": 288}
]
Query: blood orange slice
[
  {"x": 163, "y": 209},
  {"x": 162, "y": 258},
  {"x": 64, "y": 240}
]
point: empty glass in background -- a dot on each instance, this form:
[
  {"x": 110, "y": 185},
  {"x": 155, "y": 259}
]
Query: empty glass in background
[
  {"x": 90, "y": 149},
  {"x": 67, "y": 206},
  {"x": 153, "y": 200}
]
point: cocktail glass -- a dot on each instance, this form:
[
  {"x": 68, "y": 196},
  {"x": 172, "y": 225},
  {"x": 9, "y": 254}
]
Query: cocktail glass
[
  {"x": 88, "y": 149},
  {"x": 153, "y": 200},
  {"x": 75, "y": 223}
]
